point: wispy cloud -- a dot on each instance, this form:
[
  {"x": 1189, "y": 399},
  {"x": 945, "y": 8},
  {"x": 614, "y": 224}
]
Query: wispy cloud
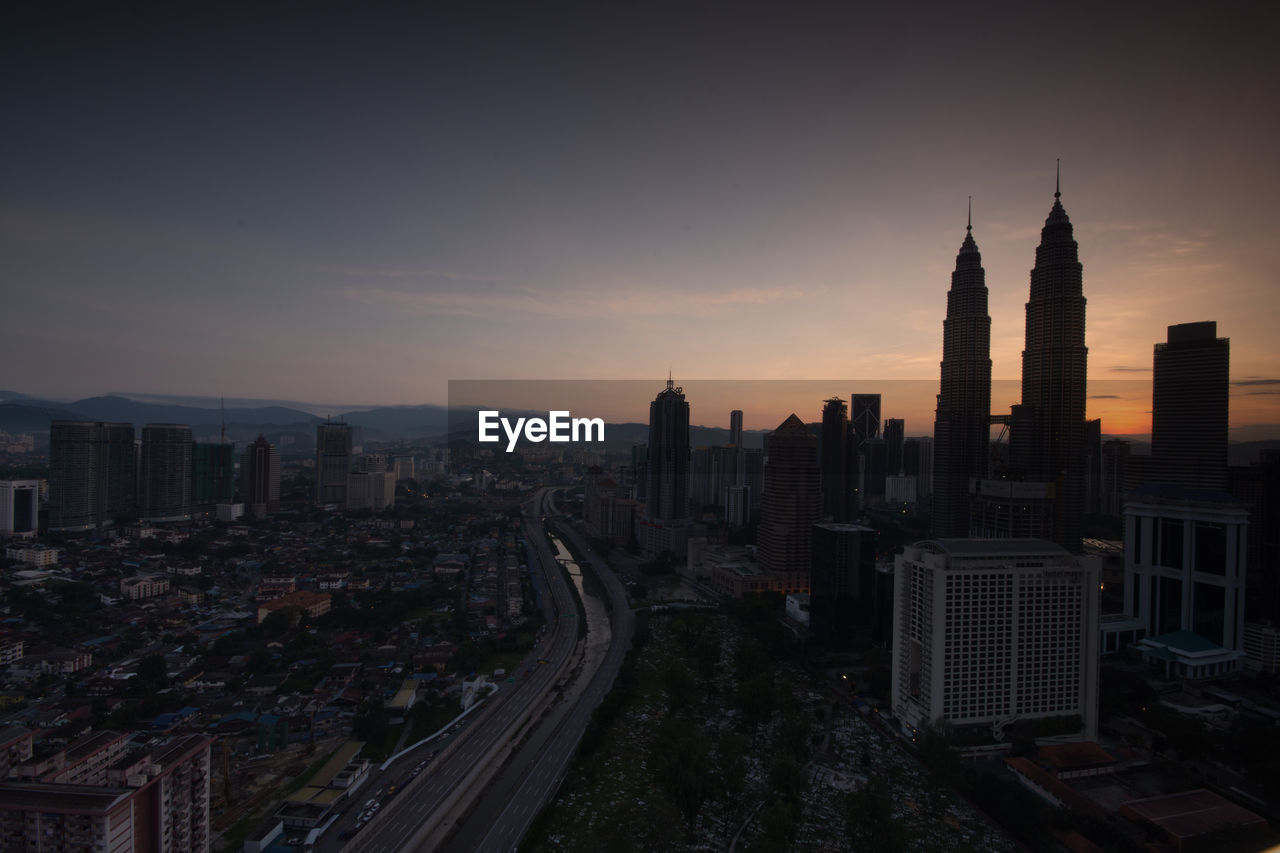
[
  {"x": 1120, "y": 368},
  {"x": 1256, "y": 381},
  {"x": 423, "y": 275},
  {"x": 1105, "y": 397},
  {"x": 578, "y": 304}
]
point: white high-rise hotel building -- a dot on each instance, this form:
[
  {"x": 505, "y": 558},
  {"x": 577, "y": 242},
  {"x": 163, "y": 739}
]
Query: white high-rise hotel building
[{"x": 989, "y": 631}]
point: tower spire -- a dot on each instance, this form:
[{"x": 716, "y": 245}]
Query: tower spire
[
  {"x": 969, "y": 227},
  {"x": 670, "y": 382},
  {"x": 1057, "y": 184}
]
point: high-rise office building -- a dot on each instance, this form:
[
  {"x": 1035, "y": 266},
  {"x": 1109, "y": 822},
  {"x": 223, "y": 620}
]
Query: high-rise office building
[
  {"x": 92, "y": 474},
  {"x": 1047, "y": 438},
  {"x": 19, "y": 507},
  {"x": 260, "y": 477},
  {"x": 845, "y": 594},
  {"x": 735, "y": 427},
  {"x": 165, "y": 473},
  {"x": 835, "y": 460},
  {"x": 333, "y": 462},
  {"x": 1257, "y": 486},
  {"x": 987, "y": 632},
  {"x": 666, "y": 518},
  {"x": 1190, "y": 384},
  {"x": 864, "y": 419},
  {"x": 1185, "y": 579},
  {"x": 791, "y": 504},
  {"x": 864, "y": 425},
  {"x": 961, "y": 429},
  {"x": 894, "y": 436}
]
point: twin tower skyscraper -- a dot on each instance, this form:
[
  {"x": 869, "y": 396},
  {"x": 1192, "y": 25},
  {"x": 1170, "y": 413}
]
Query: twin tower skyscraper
[{"x": 1047, "y": 429}]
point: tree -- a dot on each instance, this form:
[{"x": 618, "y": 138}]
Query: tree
[{"x": 870, "y": 822}]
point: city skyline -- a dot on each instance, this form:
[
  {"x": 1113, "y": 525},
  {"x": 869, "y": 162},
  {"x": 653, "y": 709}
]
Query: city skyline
[{"x": 471, "y": 196}]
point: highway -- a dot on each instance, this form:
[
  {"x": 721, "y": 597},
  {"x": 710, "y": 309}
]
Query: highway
[
  {"x": 423, "y": 810},
  {"x": 543, "y": 769}
]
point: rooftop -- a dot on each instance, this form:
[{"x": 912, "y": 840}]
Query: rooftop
[{"x": 994, "y": 547}]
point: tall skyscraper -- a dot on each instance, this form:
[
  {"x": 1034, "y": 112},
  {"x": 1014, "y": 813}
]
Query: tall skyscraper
[
  {"x": 667, "y": 496},
  {"x": 666, "y": 518},
  {"x": 165, "y": 473},
  {"x": 260, "y": 477},
  {"x": 333, "y": 462},
  {"x": 864, "y": 425},
  {"x": 961, "y": 428},
  {"x": 865, "y": 418},
  {"x": 1189, "y": 390},
  {"x": 1047, "y": 439},
  {"x": 735, "y": 427},
  {"x": 19, "y": 507},
  {"x": 92, "y": 475},
  {"x": 791, "y": 504},
  {"x": 894, "y": 435},
  {"x": 835, "y": 460},
  {"x": 990, "y": 631}
]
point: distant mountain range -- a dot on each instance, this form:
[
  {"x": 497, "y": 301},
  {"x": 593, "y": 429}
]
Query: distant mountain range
[
  {"x": 20, "y": 413},
  {"x": 23, "y": 414}
]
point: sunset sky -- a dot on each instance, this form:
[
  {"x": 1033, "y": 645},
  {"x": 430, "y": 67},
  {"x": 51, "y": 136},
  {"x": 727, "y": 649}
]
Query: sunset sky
[{"x": 353, "y": 207}]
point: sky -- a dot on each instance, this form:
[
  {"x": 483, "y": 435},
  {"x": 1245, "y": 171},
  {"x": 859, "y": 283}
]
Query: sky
[{"x": 354, "y": 206}]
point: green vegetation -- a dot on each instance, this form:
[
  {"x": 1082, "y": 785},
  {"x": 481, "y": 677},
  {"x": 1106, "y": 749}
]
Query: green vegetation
[{"x": 678, "y": 748}]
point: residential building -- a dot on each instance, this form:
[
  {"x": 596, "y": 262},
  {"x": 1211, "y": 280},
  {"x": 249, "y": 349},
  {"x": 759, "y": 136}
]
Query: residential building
[
  {"x": 371, "y": 490},
  {"x": 92, "y": 474},
  {"x": 153, "y": 799},
  {"x": 19, "y": 508},
  {"x": 333, "y": 462},
  {"x": 165, "y": 473},
  {"x": 213, "y": 476},
  {"x": 260, "y": 477}
]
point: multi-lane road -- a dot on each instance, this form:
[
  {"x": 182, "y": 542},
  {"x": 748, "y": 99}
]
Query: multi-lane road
[
  {"x": 542, "y": 770},
  {"x": 428, "y": 804}
]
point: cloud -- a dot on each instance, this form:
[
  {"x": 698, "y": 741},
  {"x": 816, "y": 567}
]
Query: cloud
[
  {"x": 1105, "y": 397},
  {"x": 433, "y": 277},
  {"x": 578, "y": 304},
  {"x": 1120, "y": 368},
  {"x": 1163, "y": 244},
  {"x": 1260, "y": 393},
  {"x": 1256, "y": 381}
]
